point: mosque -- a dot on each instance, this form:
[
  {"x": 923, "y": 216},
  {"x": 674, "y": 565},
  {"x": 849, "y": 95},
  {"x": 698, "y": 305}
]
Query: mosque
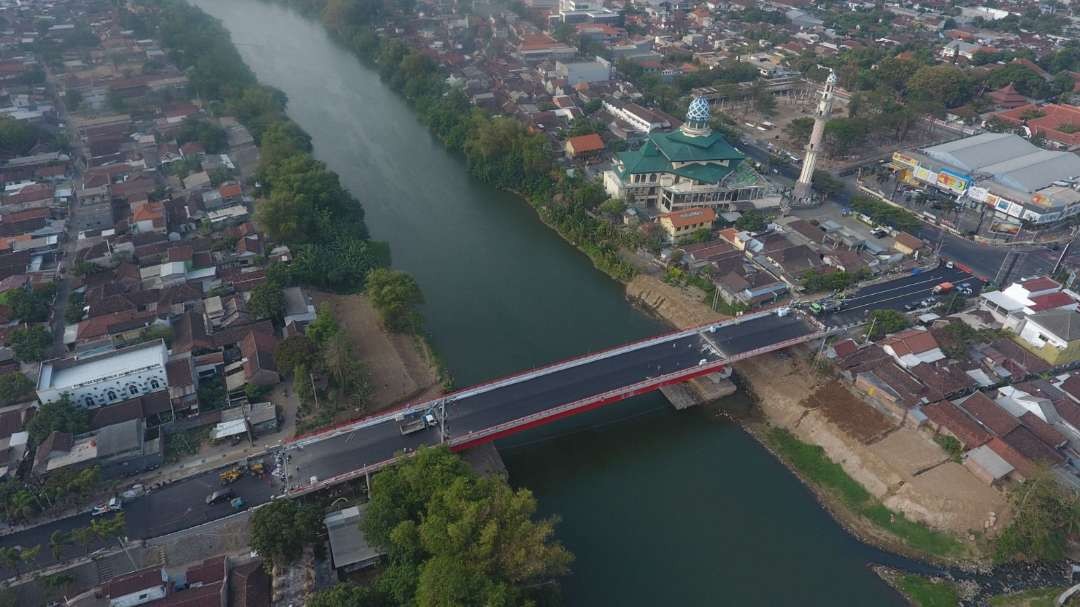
[{"x": 689, "y": 167}]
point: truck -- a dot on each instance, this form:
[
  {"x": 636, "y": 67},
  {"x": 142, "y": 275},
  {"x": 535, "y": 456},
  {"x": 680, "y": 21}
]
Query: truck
[
  {"x": 415, "y": 422},
  {"x": 944, "y": 287}
]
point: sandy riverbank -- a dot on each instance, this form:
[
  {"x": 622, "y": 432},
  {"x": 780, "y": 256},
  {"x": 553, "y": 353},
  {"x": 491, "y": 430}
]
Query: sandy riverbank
[
  {"x": 400, "y": 366},
  {"x": 900, "y": 466}
]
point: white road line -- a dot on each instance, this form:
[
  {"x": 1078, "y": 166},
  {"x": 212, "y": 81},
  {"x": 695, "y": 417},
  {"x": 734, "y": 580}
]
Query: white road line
[{"x": 937, "y": 280}]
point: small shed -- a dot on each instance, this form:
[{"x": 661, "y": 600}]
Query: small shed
[{"x": 349, "y": 548}]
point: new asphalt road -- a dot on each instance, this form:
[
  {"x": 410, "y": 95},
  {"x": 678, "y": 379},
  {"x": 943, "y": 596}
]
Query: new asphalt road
[
  {"x": 378, "y": 443},
  {"x": 183, "y": 504},
  {"x": 901, "y": 292}
]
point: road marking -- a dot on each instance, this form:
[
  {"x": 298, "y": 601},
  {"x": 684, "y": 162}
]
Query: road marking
[{"x": 939, "y": 279}]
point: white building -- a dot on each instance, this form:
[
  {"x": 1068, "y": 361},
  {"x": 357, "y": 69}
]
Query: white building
[
  {"x": 576, "y": 72},
  {"x": 1015, "y": 179},
  {"x": 1019, "y": 300},
  {"x": 1056, "y": 328},
  {"x": 104, "y": 379}
]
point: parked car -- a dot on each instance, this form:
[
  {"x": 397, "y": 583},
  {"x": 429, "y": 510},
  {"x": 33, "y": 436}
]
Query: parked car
[
  {"x": 112, "y": 505},
  {"x": 217, "y": 497}
]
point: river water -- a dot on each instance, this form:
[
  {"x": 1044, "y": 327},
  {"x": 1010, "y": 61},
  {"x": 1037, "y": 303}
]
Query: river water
[{"x": 659, "y": 508}]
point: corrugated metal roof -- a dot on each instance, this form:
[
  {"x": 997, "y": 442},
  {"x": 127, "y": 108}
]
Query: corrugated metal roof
[{"x": 973, "y": 153}]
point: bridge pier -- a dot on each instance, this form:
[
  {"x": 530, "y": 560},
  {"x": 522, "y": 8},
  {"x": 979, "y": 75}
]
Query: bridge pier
[{"x": 700, "y": 390}]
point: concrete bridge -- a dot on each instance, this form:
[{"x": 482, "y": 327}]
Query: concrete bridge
[{"x": 532, "y": 398}]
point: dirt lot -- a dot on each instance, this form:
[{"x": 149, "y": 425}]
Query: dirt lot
[
  {"x": 899, "y": 465},
  {"x": 902, "y": 467},
  {"x": 848, "y": 413},
  {"x": 679, "y": 306},
  {"x": 400, "y": 368}
]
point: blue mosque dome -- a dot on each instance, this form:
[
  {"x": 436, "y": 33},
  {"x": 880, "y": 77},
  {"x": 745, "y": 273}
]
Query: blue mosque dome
[{"x": 697, "y": 118}]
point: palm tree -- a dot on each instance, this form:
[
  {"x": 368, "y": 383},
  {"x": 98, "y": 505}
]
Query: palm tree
[
  {"x": 22, "y": 505},
  {"x": 29, "y": 555},
  {"x": 10, "y": 557},
  {"x": 84, "y": 536},
  {"x": 57, "y": 541}
]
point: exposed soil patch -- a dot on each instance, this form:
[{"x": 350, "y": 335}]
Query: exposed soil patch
[
  {"x": 866, "y": 424},
  {"x": 399, "y": 366}
]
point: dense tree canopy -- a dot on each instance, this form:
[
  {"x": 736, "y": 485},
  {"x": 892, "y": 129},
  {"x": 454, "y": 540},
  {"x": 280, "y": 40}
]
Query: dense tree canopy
[
  {"x": 30, "y": 343},
  {"x": 453, "y": 538},
  {"x": 281, "y": 529},
  {"x": 208, "y": 134},
  {"x": 395, "y": 295},
  {"x": 60, "y": 415},
  {"x": 15, "y": 387},
  {"x": 1046, "y": 517}
]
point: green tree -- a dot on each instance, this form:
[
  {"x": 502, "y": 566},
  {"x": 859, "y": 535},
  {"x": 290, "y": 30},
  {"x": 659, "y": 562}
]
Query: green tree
[
  {"x": 108, "y": 527},
  {"x": 1045, "y": 517},
  {"x": 30, "y": 305},
  {"x": 324, "y": 326},
  {"x": 613, "y": 207},
  {"x": 267, "y": 301},
  {"x": 83, "y": 536},
  {"x": 824, "y": 182},
  {"x": 344, "y": 368},
  {"x": 15, "y": 387},
  {"x": 799, "y": 129},
  {"x": 30, "y": 343},
  {"x": 211, "y": 136},
  {"x": 751, "y": 221},
  {"x": 292, "y": 351},
  {"x": 944, "y": 83},
  {"x": 281, "y": 529},
  {"x": 883, "y": 322},
  {"x": 60, "y": 415},
  {"x": 455, "y": 538},
  {"x": 395, "y": 294},
  {"x": 73, "y": 99},
  {"x": 350, "y": 595},
  {"x": 10, "y": 557},
  {"x": 58, "y": 541}
]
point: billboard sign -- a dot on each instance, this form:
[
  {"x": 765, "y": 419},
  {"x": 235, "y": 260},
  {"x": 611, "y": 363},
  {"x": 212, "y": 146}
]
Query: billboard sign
[
  {"x": 925, "y": 175},
  {"x": 905, "y": 160},
  {"x": 952, "y": 181}
]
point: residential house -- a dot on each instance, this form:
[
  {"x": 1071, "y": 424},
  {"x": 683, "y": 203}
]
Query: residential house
[
  {"x": 907, "y": 244},
  {"x": 682, "y": 223},
  {"x": 1054, "y": 335},
  {"x": 912, "y": 347},
  {"x": 116, "y": 450},
  {"x": 137, "y": 588},
  {"x": 584, "y": 146}
]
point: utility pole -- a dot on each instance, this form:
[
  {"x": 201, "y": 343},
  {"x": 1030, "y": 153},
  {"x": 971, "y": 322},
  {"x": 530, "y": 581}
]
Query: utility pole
[{"x": 442, "y": 420}]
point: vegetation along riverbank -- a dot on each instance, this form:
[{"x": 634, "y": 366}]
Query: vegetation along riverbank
[
  {"x": 302, "y": 204},
  {"x": 935, "y": 516}
]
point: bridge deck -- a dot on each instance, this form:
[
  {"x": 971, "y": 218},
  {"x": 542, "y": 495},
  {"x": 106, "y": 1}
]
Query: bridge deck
[{"x": 477, "y": 411}]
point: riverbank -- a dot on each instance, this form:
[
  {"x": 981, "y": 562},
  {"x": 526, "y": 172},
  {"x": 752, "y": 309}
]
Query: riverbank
[
  {"x": 577, "y": 226},
  {"x": 401, "y": 366},
  {"x": 1040, "y": 588},
  {"x": 869, "y": 472}
]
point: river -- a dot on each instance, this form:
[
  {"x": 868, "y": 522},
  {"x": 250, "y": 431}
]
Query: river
[{"x": 659, "y": 508}]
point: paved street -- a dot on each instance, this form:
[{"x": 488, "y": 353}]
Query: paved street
[
  {"x": 378, "y": 443},
  {"x": 165, "y": 510},
  {"x": 182, "y": 504},
  {"x": 895, "y": 294}
]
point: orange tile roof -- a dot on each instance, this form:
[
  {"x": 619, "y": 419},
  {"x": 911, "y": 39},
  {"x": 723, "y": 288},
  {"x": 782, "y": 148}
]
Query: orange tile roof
[
  {"x": 586, "y": 143},
  {"x": 690, "y": 217}
]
